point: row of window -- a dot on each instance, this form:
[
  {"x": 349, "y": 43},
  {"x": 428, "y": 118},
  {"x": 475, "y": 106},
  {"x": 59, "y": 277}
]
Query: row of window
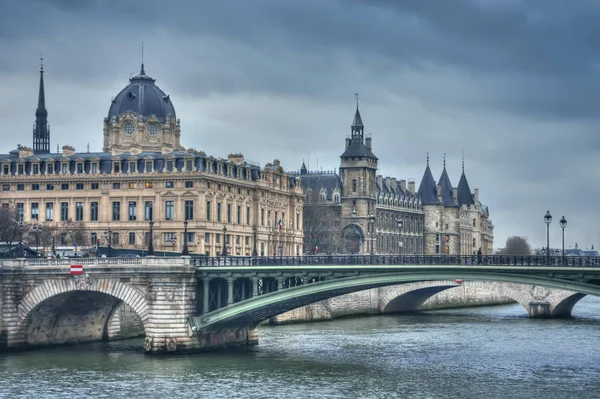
[
  {"x": 115, "y": 186},
  {"x": 141, "y": 166},
  {"x": 132, "y": 213},
  {"x": 167, "y": 238}
]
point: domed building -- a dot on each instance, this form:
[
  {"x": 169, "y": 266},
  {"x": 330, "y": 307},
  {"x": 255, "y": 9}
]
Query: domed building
[
  {"x": 141, "y": 118},
  {"x": 145, "y": 188}
]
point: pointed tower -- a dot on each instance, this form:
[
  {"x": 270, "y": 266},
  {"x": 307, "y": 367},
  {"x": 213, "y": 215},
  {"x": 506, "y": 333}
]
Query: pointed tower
[
  {"x": 358, "y": 168},
  {"x": 446, "y": 186},
  {"x": 427, "y": 189},
  {"x": 41, "y": 130},
  {"x": 464, "y": 191},
  {"x": 303, "y": 169}
]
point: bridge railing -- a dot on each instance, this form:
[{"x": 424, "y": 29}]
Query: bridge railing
[
  {"x": 96, "y": 262},
  {"x": 382, "y": 260}
]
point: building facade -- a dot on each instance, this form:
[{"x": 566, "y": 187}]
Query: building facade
[
  {"x": 456, "y": 222},
  {"x": 144, "y": 175},
  {"x": 372, "y": 214},
  {"x": 385, "y": 215}
]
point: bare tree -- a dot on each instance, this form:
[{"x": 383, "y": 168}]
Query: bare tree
[
  {"x": 516, "y": 245},
  {"x": 73, "y": 233},
  {"x": 321, "y": 225},
  {"x": 11, "y": 230}
]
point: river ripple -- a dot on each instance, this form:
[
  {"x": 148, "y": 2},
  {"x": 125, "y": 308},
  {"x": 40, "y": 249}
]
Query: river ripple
[{"x": 494, "y": 352}]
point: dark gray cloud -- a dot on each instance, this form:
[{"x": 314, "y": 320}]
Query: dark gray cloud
[{"x": 515, "y": 84}]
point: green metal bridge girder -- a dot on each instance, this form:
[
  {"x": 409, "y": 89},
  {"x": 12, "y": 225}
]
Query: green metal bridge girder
[{"x": 262, "y": 307}]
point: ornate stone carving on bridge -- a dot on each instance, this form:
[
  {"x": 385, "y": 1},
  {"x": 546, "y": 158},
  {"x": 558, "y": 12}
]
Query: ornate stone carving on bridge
[
  {"x": 170, "y": 295},
  {"x": 152, "y": 295},
  {"x": 539, "y": 293},
  {"x": 83, "y": 282}
]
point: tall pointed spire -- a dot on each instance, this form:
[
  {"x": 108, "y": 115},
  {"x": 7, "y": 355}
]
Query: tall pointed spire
[
  {"x": 41, "y": 131},
  {"x": 357, "y": 125},
  {"x": 142, "y": 72}
]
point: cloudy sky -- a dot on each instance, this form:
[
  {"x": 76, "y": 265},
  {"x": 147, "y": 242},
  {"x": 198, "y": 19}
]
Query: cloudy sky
[{"x": 515, "y": 84}]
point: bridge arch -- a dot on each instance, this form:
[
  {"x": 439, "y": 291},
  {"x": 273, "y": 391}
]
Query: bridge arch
[
  {"x": 35, "y": 309},
  {"x": 256, "y": 309},
  {"x": 410, "y": 297}
]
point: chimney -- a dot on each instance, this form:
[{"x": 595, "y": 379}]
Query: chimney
[
  {"x": 68, "y": 150},
  {"x": 368, "y": 143},
  {"x": 439, "y": 192},
  {"x": 347, "y": 142},
  {"x": 236, "y": 158},
  {"x": 476, "y": 195},
  {"x": 403, "y": 185},
  {"x": 394, "y": 184},
  {"x": 411, "y": 186},
  {"x": 455, "y": 194},
  {"x": 380, "y": 180},
  {"x": 24, "y": 151},
  {"x": 388, "y": 182}
]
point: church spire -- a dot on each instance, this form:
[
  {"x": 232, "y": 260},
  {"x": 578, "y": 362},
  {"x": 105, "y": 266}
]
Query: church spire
[
  {"x": 41, "y": 131},
  {"x": 357, "y": 125}
]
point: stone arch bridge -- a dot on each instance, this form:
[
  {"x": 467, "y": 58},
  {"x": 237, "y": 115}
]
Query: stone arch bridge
[{"x": 200, "y": 303}]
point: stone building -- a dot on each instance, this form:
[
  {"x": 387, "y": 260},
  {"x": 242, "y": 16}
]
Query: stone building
[
  {"x": 384, "y": 215},
  {"x": 145, "y": 175},
  {"x": 456, "y": 222},
  {"x": 372, "y": 213}
]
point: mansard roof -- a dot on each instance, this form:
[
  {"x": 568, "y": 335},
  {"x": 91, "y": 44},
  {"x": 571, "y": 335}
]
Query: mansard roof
[
  {"x": 444, "y": 181},
  {"x": 427, "y": 189},
  {"x": 464, "y": 195},
  {"x": 315, "y": 181},
  {"x": 358, "y": 149}
]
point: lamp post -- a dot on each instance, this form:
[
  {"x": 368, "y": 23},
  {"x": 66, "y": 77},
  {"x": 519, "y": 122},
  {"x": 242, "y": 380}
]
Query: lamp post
[
  {"x": 563, "y": 224},
  {"x": 548, "y": 220},
  {"x": 150, "y": 239},
  {"x": 372, "y": 223},
  {"x": 185, "y": 250},
  {"x": 37, "y": 229},
  {"x": 400, "y": 243},
  {"x": 254, "y": 252},
  {"x": 173, "y": 241},
  {"x": 224, "y": 252}
]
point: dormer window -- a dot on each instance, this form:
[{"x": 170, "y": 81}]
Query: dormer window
[
  {"x": 64, "y": 168},
  {"x": 5, "y": 169},
  {"x": 149, "y": 166},
  {"x": 79, "y": 167},
  {"x": 169, "y": 166},
  {"x": 20, "y": 169},
  {"x": 188, "y": 165},
  {"x": 116, "y": 167},
  {"x": 35, "y": 169},
  {"x": 132, "y": 166},
  {"x": 49, "y": 168},
  {"x": 95, "y": 167}
]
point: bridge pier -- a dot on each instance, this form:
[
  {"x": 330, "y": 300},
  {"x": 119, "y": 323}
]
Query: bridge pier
[
  {"x": 539, "y": 309},
  {"x": 11, "y": 336}
]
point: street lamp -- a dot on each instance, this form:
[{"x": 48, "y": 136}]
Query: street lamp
[
  {"x": 185, "y": 250},
  {"x": 254, "y": 252},
  {"x": 372, "y": 223},
  {"x": 173, "y": 241},
  {"x": 37, "y": 229},
  {"x": 548, "y": 220},
  {"x": 563, "y": 224},
  {"x": 224, "y": 252},
  {"x": 150, "y": 239},
  {"x": 400, "y": 224}
]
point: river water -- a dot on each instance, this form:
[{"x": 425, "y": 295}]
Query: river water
[{"x": 492, "y": 352}]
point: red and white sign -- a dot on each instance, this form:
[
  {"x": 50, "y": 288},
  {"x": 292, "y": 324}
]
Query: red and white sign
[{"x": 76, "y": 269}]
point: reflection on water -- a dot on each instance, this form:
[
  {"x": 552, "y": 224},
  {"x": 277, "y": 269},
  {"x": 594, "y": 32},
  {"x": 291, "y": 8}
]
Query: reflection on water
[{"x": 494, "y": 352}]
